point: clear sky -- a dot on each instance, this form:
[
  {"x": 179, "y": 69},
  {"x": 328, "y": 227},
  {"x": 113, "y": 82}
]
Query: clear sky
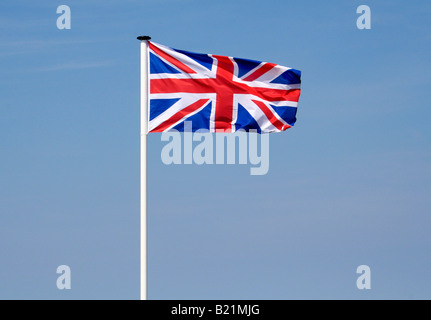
[{"x": 349, "y": 185}]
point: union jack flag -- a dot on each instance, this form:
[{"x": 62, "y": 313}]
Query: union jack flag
[{"x": 219, "y": 93}]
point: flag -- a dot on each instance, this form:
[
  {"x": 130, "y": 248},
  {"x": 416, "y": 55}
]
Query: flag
[{"x": 219, "y": 93}]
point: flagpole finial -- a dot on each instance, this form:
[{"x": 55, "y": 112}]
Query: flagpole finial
[{"x": 144, "y": 38}]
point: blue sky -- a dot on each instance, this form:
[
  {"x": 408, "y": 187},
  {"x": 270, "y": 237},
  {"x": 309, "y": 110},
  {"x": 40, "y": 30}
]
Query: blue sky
[{"x": 349, "y": 185}]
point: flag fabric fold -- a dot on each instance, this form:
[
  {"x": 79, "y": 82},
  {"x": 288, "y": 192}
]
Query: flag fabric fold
[{"x": 219, "y": 93}]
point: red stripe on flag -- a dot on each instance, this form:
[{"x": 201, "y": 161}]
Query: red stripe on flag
[
  {"x": 217, "y": 85},
  {"x": 271, "y": 117},
  {"x": 180, "y": 115},
  {"x": 224, "y": 89},
  {"x": 259, "y": 72},
  {"x": 172, "y": 60},
  {"x": 275, "y": 94}
]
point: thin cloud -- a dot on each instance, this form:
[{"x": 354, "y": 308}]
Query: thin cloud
[
  {"x": 22, "y": 47},
  {"x": 41, "y": 43},
  {"x": 74, "y": 66}
]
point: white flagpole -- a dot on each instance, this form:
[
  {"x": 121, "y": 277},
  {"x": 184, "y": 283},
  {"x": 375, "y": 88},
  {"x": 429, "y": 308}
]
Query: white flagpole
[{"x": 144, "y": 124}]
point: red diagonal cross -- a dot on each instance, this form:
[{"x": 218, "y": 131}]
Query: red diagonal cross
[{"x": 224, "y": 87}]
